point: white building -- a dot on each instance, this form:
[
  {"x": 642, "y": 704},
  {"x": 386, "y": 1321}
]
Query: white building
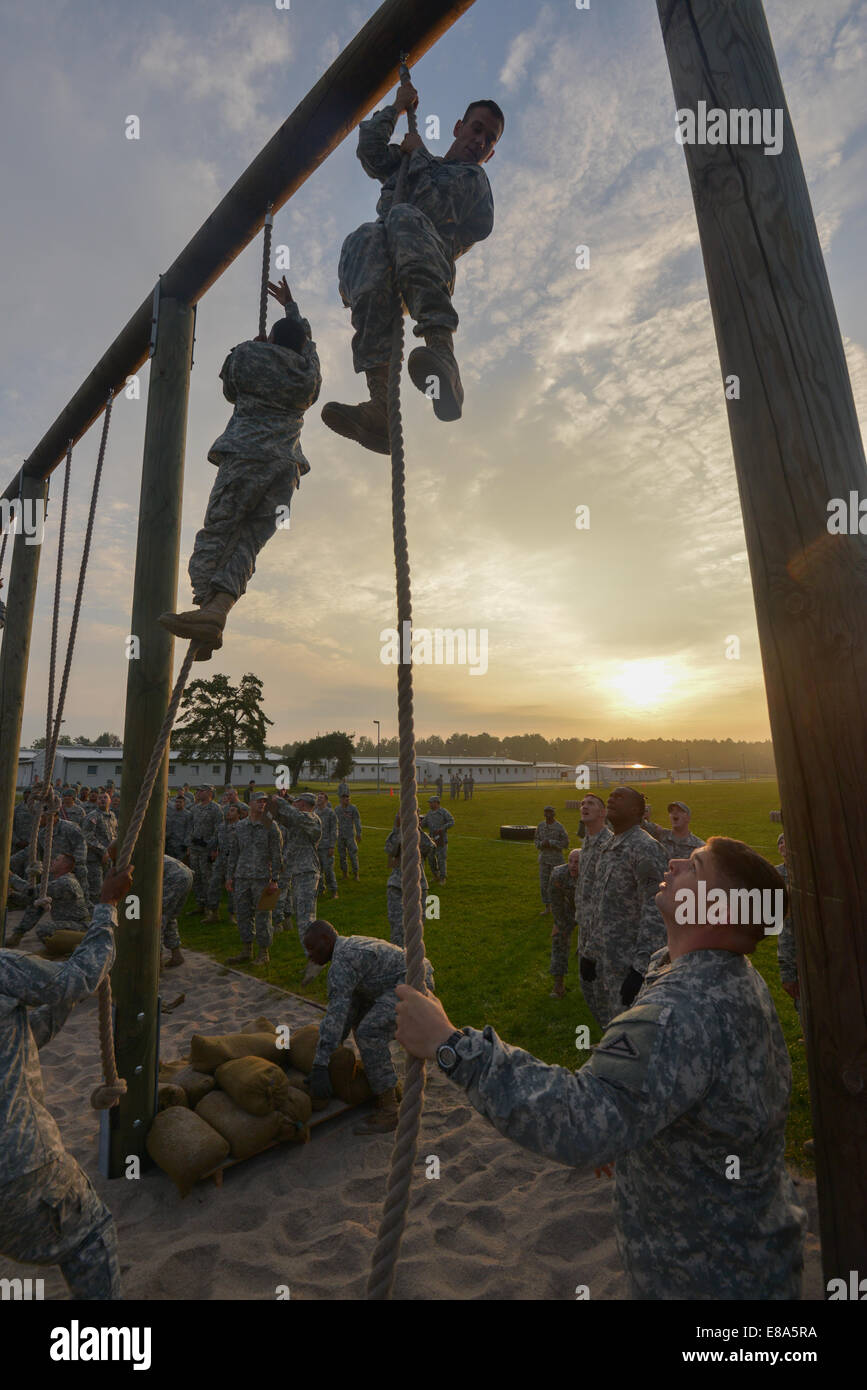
[
  {"x": 93, "y": 767},
  {"x": 622, "y": 773},
  {"x": 493, "y": 770}
]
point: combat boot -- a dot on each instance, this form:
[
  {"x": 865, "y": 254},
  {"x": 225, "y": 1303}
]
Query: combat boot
[
  {"x": 384, "y": 1117},
  {"x": 367, "y": 423},
  {"x": 437, "y": 360},
  {"x": 263, "y": 955},
  {"x": 245, "y": 956},
  {"x": 176, "y": 957},
  {"x": 203, "y": 625}
]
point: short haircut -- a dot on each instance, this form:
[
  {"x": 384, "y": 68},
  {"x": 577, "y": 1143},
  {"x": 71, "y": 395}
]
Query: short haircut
[
  {"x": 640, "y": 798},
  {"x": 320, "y": 930},
  {"x": 287, "y": 333},
  {"x": 591, "y": 796},
  {"x": 742, "y": 867},
  {"x": 491, "y": 106}
]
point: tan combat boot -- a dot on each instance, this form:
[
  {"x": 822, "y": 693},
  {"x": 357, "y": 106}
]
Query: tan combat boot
[
  {"x": 437, "y": 360},
  {"x": 263, "y": 955},
  {"x": 367, "y": 423},
  {"x": 245, "y": 956},
  {"x": 176, "y": 957},
  {"x": 384, "y": 1117},
  {"x": 203, "y": 625}
]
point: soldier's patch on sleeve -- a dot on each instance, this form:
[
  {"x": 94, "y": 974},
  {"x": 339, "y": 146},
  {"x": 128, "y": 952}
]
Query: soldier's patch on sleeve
[{"x": 629, "y": 1045}]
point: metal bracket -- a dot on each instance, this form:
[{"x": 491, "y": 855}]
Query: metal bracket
[
  {"x": 193, "y": 344},
  {"x": 155, "y": 313}
]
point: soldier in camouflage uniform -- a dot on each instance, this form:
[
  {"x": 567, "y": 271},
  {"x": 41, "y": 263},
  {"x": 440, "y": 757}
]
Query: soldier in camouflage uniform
[
  {"x": 68, "y": 906},
  {"x": 220, "y": 867},
  {"x": 550, "y": 839},
  {"x": 66, "y": 838},
  {"x": 302, "y": 832},
  {"x": 410, "y": 251},
  {"x": 596, "y": 836},
  {"x": 177, "y": 882},
  {"x": 49, "y": 1211},
  {"x": 439, "y": 786},
  {"x": 179, "y": 820},
  {"x": 438, "y": 822},
  {"x": 99, "y": 830},
  {"x": 72, "y": 809},
  {"x": 271, "y": 384},
  {"x": 394, "y": 887},
  {"x": 692, "y": 1079},
  {"x": 255, "y": 862},
  {"x": 343, "y": 788},
  {"x": 348, "y": 833},
  {"x": 624, "y": 928},
  {"x": 678, "y": 841},
  {"x": 361, "y": 999},
  {"x": 562, "y": 886},
  {"x": 325, "y": 849},
  {"x": 787, "y": 955},
  {"x": 22, "y": 821},
  {"x": 205, "y": 823}
]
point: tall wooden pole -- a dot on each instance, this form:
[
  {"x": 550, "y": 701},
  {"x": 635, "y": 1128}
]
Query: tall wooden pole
[
  {"x": 14, "y": 655},
  {"x": 797, "y": 446},
  {"x": 135, "y": 977}
]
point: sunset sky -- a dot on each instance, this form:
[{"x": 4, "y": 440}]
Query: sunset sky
[{"x": 597, "y": 387}]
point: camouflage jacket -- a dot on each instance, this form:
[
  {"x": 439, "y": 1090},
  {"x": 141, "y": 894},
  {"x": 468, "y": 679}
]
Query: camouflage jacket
[
  {"x": 179, "y": 829},
  {"x": 66, "y": 839},
  {"x": 558, "y": 835},
  {"x": 68, "y": 905},
  {"x": 392, "y": 849},
  {"x": 694, "y": 1076},
  {"x": 562, "y": 888},
  {"x": 438, "y": 824},
  {"x": 255, "y": 851},
  {"x": 270, "y": 387},
  {"x": 455, "y": 197},
  {"x": 177, "y": 879},
  {"x": 328, "y": 820},
  {"x": 362, "y": 968},
  {"x": 206, "y": 819},
  {"x": 22, "y": 824},
  {"x": 674, "y": 847},
  {"x": 787, "y": 955},
  {"x": 625, "y": 927},
  {"x": 348, "y": 823},
  {"x": 75, "y": 812},
  {"x": 225, "y": 836},
  {"x": 29, "y": 1137},
  {"x": 99, "y": 829},
  {"x": 591, "y": 849},
  {"x": 301, "y": 833}
]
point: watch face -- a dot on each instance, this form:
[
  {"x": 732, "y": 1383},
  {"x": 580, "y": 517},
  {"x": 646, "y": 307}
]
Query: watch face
[{"x": 446, "y": 1056}]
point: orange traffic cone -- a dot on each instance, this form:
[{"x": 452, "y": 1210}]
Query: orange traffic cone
[{"x": 391, "y": 791}]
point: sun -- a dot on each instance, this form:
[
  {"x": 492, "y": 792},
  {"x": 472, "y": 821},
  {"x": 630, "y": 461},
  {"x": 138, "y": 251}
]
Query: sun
[{"x": 642, "y": 684}]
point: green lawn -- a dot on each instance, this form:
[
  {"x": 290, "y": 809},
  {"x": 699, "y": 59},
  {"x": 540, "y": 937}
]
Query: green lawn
[{"x": 490, "y": 949}]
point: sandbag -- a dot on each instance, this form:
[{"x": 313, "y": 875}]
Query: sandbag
[
  {"x": 171, "y": 1094},
  {"x": 260, "y": 1025},
  {"x": 341, "y": 1069},
  {"x": 302, "y": 1047},
  {"x": 185, "y": 1146},
  {"x": 196, "y": 1084},
  {"x": 256, "y": 1085},
  {"x": 247, "y": 1134},
  {"x": 352, "y": 1086},
  {"x": 169, "y": 1070},
  {"x": 297, "y": 1105},
  {"x": 62, "y": 942},
  {"x": 208, "y": 1053}
]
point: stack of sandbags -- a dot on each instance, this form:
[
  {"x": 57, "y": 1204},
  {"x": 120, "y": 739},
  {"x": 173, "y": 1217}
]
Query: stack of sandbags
[
  {"x": 185, "y": 1146},
  {"x": 208, "y": 1053},
  {"x": 346, "y": 1073},
  {"x": 195, "y": 1084}
]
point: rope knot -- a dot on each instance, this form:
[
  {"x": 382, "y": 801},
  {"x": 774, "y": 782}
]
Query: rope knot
[{"x": 106, "y": 1096}]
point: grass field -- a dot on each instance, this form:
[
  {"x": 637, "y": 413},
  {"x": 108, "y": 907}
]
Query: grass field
[{"x": 490, "y": 949}]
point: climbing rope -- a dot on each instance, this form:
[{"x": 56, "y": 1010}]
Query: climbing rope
[
  {"x": 266, "y": 270},
  {"x": 391, "y": 1228}
]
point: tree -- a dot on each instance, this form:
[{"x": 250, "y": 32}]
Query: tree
[
  {"x": 319, "y": 752},
  {"x": 107, "y": 740},
  {"x": 63, "y": 742},
  {"x": 217, "y": 718}
]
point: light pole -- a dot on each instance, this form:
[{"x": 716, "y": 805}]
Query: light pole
[
  {"x": 376, "y": 722},
  {"x": 688, "y": 768},
  {"x": 596, "y": 746}
]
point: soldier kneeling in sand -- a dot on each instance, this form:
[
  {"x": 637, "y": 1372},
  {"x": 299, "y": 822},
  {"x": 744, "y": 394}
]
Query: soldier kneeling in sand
[{"x": 49, "y": 1212}]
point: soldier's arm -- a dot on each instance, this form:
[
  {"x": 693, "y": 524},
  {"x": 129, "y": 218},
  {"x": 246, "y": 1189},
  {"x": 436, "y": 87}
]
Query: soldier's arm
[
  {"x": 627, "y": 1093},
  {"x": 56, "y": 989},
  {"x": 232, "y": 857},
  {"x": 476, "y": 218},
  {"x": 651, "y": 929},
  {"x": 427, "y": 843},
  {"x": 275, "y": 849},
  {"x": 332, "y": 1027},
  {"x": 450, "y": 820},
  {"x": 562, "y": 837},
  {"x": 537, "y": 838},
  {"x": 653, "y": 829},
  {"x": 378, "y": 157}
]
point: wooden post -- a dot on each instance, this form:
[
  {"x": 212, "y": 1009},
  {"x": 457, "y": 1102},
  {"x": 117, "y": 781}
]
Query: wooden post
[
  {"x": 135, "y": 977},
  {"x": 14, "y": 655},
  {"x": 797, "y": 446}
]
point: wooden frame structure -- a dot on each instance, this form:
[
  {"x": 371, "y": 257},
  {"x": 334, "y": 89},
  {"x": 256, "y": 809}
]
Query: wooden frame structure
[{"x": 796, "y": 445}]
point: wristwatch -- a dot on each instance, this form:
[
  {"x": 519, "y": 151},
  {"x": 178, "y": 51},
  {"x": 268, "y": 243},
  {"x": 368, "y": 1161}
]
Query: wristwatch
[{"x": 446, "y": 1054}]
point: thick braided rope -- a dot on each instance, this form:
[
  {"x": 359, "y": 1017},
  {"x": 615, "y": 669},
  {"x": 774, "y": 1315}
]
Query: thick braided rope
[
  {"x": 113, "y": 1087},
  {"x": 266, "y": 271},
  {"x": 391, "y": 1228}
]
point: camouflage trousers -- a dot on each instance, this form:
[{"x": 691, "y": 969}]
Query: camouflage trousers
[
  {"x": 437, "y": 859},
  {"x": 216, "y": 883},
  {"x": 394, "y": 898},
  {"x": 200, "y": 863},
  {"x": 172, "y": 905},
  {"x": 241, "y": 516},
  {"x": 95, "y": 875},
  {"x": 406, "y": 253},
  {"x": 248, "y": 891},
  {"x": 373, "y": 1026},
  {"x": 349, "y": 847},
  {"x": 544, "y": 876},
  {"x": 54, "y": 1216},
  {"x": 304, "y": 892},
  {"x": 327, "y": 876},
  {"x": 561, "y": 937}
]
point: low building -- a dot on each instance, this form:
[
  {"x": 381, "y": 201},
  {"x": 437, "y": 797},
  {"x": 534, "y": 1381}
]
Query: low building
[
  {"x": 93, "y": 767},
  {"x": 624, "y": 773}
]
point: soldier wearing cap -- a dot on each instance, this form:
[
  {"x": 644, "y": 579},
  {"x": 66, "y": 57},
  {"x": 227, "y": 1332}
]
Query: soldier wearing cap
[
  {"x": 71, "y": 808},
  {"x": 438, "y": 822},
  {"x": 678, "y": 842},
  {"x": 325, "y": 848},
  {"x": 204, "y": 830},
  {"x": 179, "y": 820},
  {"x": 348, "y": 832},
  {"x": 254, "y": 863},
  {"x": 551, "y": 839},
  {"x": 596, "y": 836},
  {"x": 394, "y": 886},
  {"x": 562, "y": 886},
  {"x": 302, "y": 832}
]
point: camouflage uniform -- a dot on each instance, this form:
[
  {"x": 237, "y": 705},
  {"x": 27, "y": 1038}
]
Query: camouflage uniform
[
  {"x": 437, "y": 824},
  {"x": 787, "y": 956},
  {"x": 674, "y": 847},
  {"x": 695, "y": 1073},
  {"x": 439, "y": 786},
  {"x": 68, "y": 905},
  {"x": 75, "y": 812},
  {"x": 343, "y": 788},
  {"x": 590, "y": 851},
  {"x": 549, "y": 857},
  {"x": 99, "y": 829},
  {"x": 255, "y": 857},
  {"x": 178, "y": 831},
  {"x": 394, "y": 889},
  {"x": 624, "y": 927},
  {"x": 22, "y": 825},
  {"x": 258, "y": 456},
  {"x": 302, "y": 834},
  {"x": 561, "y": 891},
  {"x": 66, "y": 839},
  {"x": 177, "y": 882},
  {"x": 49, "y": 1212},
  {"x": 448, "y": 207},
  {"x": 328, "y": 821},
  {"x": 205, "y": 823},
  {"x": 361, "y": 1000},
  {"x": 220, "y": 867},
  {"x": 348, "y": 827}
]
